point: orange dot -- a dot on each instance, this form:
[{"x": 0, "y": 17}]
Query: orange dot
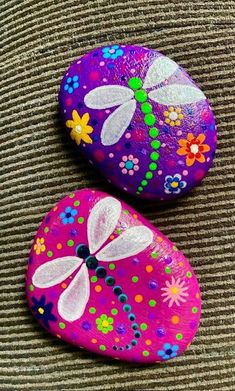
[
  {"x": 98, "y": 288},
  {"x": 58, "y": 335},
  {"x": 148, "y": 342},
  {"x": 111, "y": 237},
  {"x": 138, "y": 298},
  {"x": 112, "y": 302},
  {"x": 175, "y": 319},
  {"x": 135, "y": 216},
  {"x": 59, "y": 246},
  {"x": 181, "y": 264},
  {"x": 117, "y": 339},
  {"x": 159, "y": 239},
  {"x": 94, "y": 340},
  {"x": 63, "y": 285},
  {"x": 197, "y": 295},
  {"x": 55, "y": 208},
  {"x": 149, "y": 268}
]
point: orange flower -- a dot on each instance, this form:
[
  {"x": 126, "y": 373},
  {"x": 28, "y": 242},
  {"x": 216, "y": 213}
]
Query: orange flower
[
  {"x": 194, "y": 148},
  {"x": 80, "y": 129},
  {"x": 39, "y": 247}
]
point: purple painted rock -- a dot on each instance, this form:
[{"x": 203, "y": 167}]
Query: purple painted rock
[
  {"x": 100, "y": 276},
  {"x": 140, "y": 119}
]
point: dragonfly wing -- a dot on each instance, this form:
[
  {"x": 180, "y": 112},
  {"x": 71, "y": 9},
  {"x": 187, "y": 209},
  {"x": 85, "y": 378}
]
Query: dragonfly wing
[
  {"x": 116, "y": 124},
  {"x": 177, "y": 94},
  {"x": 102, "y": 222},
  {"x": 161, "y": 69},
  {"x": 108, "y": 96},
  {"x": 55, "y": 271},
  {"x": 73, "y": 300},
  {"x": 129, "y": 243}
]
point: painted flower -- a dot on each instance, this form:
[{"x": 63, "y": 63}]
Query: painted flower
[
  {"x": 80, "y": 128},
  {"x": 194, "y": 148},
  {"x": 42, "y": 311},
  {"x": 173, "y": 116},
  {"x": 129, "y": 164},
  {"x": 71, "y": 84},
  {"x": 168, "y": 351},
  {"x": 39, "y": 247},
  {"x": 174, "y": 184},
  {"x": 112, "y": 52},
  {"x": 104, "y": 323},
  {"x": 67, "y": 216},
  {"x": 175, "y": 292}
]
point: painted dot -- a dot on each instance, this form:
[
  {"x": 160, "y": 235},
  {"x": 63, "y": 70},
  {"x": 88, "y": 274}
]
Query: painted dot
[
  {"x": 175, "y": 319},
  {"x": 140, "y": 188},
  {"x": 179, "y": 336},
  {"x": 117, "y": 339},
  {"x": 135, "y": 279},
  {"x": 154, "y": 156},
  {"x": 76, "y": 203},
  {"x": 70, "y": 243},
  {"x": 114, "y": 311},
  {"x": 194, "y": 310},
  {"x": 94, "y": 279},
  {"x": 135, "y": 216},
  {"x": 148, "y": 175},
  {"x": 149, "y": 119},
  {"x": 197, "y": 295},
  {"x": 152, "y": 303},
  {"x": 126, "y": 308},
  {"x": 98, "y": 288},
  {"x": 92, "y": 310},
  {"x": 154, "y": 254},
  {"x": 111, "y": 266},
  {"x": 145, "y": 353},
  {"x": 155, "y": 144},
  {"x": 31, "y": 287},
  {"x": 153, "y": 166},
  {"x": 144, "y": 183},
  {"x": 135, "y": 83},
  {"x": 72, "y": 195},
  {"x": 167, "y": 270},
  {"x": 81, "y": 220},
  {"x": 143, "y": 326},
  {"x": 153, "y": 284},
  {"x": 148, "y": 342},
  {"x": 59, "y": 246},
  {"x": 141, "y": 96},
  {"x": 185, "y": 172},
  {"x": 46, "y": 229},
  {"x": 63, "y": 285},
  {"x": 153, "y": 132},
  {"x": 160, "y": 332},
  {"x": 149, "y": 268},
  {"x": 138, "y": 298},
  {"x": 175, "y": 248},
  {"x": 102, "y": 348},
  {"x": 49, "y": 253},
  {"x": 94, "y": 340},
  {"x": 62, "y": 325},
  {"x": 111, "y": 155},
  {"x": 189, "y": 274},
  {"x": 146, "y": 108}
]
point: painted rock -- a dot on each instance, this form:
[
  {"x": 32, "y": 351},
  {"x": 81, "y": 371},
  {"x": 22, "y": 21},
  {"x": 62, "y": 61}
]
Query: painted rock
[
  {"x": 140, "y": 119},
  {"x": 102, "y": 277}
]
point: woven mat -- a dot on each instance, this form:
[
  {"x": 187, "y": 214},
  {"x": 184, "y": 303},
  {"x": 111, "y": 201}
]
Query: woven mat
[{"x": 39, "y": 165}]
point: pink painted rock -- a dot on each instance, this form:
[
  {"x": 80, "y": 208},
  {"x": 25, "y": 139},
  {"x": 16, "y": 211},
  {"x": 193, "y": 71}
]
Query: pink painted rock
[{"x": 102, "y": 277}]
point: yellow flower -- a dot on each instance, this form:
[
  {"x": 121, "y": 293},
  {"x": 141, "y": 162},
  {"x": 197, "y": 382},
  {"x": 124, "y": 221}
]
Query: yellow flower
[
  {"x": 173, "y": 116},
  {"x": 39, "y": 246},
  {"x": 80, "y": 130}
]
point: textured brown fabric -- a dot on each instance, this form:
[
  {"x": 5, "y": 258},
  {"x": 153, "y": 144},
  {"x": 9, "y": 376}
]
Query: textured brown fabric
[{"x": 38, "y": 165}]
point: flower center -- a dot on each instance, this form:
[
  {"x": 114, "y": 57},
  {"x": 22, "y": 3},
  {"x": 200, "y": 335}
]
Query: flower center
[
  {"x": 105, "y": 323},
  {"x": 194, "y": 148},
  {"x": 174, "y": 184},
  {"x": 78, "y": 128},
  {"x": 68, "y": 215},
  {"x": 111, "y": 51},
  {"x": 41, "y": 310},
  {"x": 168, "y": 352},
  {"x": 129, "y": 165},
  {"x": 174, "y": 290},
  {"x": 173, "y": 115}
]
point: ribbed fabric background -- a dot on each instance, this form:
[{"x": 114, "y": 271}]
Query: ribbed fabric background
[{"x": 38, "y": 165}]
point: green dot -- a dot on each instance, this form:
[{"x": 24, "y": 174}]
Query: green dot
[
  {"x": 112, "y": 266},
  {"x": 152, "y": 303},
  {"x": 140, "y": 188},
  {"x": 46, "y": 229},
  {"x": 153, "y": 166},
  {"x": 76, "y": 203},
  {"x": 141, "y": 96},
  {"x": 155, "y": 144},
  {"x": 114, "y": 311},
  {"x": 135, "y": 83},
  {"x": 149, "y": 119},
  {"x": 146, "y": 108},
  {"x": 144, "y": 183},
  {"x": 194, "y": 310},
  {"x": 135, "y": 279},
  {"x": 145, "y": 353},
  {"x": 153, "y": 132},
  {"x": 62, "y": 325},
  {"x": 92, "y": 310},
  {"x": 168, "y": 270},
  {"x": 154, "y": 254},
  {"x": 179, "y": 336},
  {"x": 154, "y": 156},
  {"x": 189, "y": 274},
  {"x": 102, "y": 348},
  {"x": 149, "y": 175},
  {"x": 143, "y": 326},
  {"x": 175, "y": 248},
  {"x": 49, "y": 253},
  {"x": 126, "y": 212},
  {"x": 70, "y": 243},
  {"x": 72, "y": 195},
  {"x": 31, "y": 287},
  {"x": 80, "y": 220},
  {"x": 94, "y": 279}
]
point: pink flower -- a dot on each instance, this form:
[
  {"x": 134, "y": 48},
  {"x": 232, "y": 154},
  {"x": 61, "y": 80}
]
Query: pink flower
[
  {"x": 129, "y": 164},
  {"x": 175, "y": 292}
]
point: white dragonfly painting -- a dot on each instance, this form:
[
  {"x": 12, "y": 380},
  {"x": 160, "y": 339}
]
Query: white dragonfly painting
[
  {"x": 101, "y": 223},
  {"x": 108, "y": 96}
]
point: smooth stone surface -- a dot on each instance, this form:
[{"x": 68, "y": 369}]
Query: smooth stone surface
[
  {"x": 140, "y": 119},
  {"x": 100, "y": 276}
]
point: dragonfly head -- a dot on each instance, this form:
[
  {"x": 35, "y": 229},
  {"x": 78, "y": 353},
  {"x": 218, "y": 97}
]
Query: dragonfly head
[{"x": 83, "y": 252}]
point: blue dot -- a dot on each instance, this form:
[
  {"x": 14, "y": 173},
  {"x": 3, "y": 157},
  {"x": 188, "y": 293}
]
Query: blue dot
[
  {"x": 160, "y": 332},
  {"x": 129, "y": 165},
  {"x": 111, "y": 65},
  {"x": 153, "y": 284}
]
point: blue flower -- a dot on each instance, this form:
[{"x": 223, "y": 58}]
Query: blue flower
[
  {"x": 112, "y": 52},
  {"x": 174, "y": 184},
  {"x": 67, "y": 216},
  {"x": 42, "y": 311},
  {"x": 170, "y": 351},
  {"x": 71, "y": 84}
]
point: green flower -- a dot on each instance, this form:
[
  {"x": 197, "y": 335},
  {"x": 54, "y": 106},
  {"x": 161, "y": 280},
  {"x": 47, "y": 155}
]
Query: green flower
[{"x": 104, "y": 323}]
